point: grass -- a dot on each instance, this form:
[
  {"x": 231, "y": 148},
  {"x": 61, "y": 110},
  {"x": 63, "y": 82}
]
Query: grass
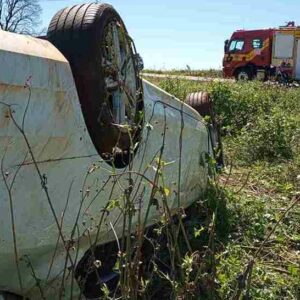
[
  {"x": 213, "y": 73},
  {"x": 241, "y": 240},
  {"x": 255, "y": 249}
]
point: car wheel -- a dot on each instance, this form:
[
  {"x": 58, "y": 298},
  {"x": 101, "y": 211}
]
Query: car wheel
[
  {"x": 96, "y": 268},
  {"x": 101, "y": 54},
  {"x": 203, "y": 104}
]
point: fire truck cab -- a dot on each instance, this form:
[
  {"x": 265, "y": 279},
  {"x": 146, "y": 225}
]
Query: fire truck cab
[{"x": 263, "y": 54}]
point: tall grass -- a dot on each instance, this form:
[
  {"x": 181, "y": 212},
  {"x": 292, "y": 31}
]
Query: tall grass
[
  {"x": 259, "y": 256},
  {"x": 241, "y": 240}
]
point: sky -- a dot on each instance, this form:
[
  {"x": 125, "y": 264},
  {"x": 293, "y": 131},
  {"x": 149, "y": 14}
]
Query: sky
[{"x": 173, "y": 34}]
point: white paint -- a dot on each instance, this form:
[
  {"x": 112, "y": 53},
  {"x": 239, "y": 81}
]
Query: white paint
[
  {"x": 284, "y": 45},
  {"x": 61, "y": 145}
]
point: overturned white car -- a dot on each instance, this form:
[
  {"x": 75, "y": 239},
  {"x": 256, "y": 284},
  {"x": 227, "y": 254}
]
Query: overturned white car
[{"x": 85, "y": 147}]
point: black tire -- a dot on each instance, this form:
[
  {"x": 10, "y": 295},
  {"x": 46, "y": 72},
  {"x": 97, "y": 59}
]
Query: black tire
[
  {"x": 244, "y": 74},
  {"x": 79, "y": 32},
  {"x": 91, "y": 277},
  {"x": 282, "y": 78},
  {"x": 203, "y": 104}
]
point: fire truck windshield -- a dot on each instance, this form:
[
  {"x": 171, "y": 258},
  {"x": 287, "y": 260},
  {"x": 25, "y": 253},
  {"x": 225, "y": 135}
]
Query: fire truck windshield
[{"x": 236, "y": 45}]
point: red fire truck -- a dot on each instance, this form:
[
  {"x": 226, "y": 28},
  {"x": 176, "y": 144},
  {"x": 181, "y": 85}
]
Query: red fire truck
[{"x": 263, "y": 54}]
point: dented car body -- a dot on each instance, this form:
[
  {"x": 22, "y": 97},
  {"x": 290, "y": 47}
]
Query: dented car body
[{"x": 55, "y": 187}]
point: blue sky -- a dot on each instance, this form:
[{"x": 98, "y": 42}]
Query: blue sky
[{"x": 172, "y": 34}]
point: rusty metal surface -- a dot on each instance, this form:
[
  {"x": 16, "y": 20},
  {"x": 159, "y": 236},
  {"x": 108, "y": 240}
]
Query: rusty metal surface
[{"x": 38, "y": 95}]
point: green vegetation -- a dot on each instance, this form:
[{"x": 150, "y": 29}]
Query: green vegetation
[
  {"x": 214, "y": 73},
  {"x": 244, "y": 234}
]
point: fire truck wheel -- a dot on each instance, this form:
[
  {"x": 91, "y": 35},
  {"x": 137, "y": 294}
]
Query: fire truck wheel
[
  {"x": 203, "y": 104},
  {"x": 101, "y": 54},
  {"x": 243, "y": 75}
]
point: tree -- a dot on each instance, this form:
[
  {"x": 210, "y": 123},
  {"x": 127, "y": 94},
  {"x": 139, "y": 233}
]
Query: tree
[{"x": 22, "y": 16}]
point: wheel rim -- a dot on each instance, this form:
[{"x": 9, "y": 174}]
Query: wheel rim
[
  {"x": 243, "y": 76},
  {"x": 120, "y": 75}
]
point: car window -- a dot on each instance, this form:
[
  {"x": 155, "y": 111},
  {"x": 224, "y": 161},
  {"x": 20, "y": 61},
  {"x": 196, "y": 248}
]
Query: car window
[
  {"x": 257, "y": 44},
  {"x": 236, "y": 45}
]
